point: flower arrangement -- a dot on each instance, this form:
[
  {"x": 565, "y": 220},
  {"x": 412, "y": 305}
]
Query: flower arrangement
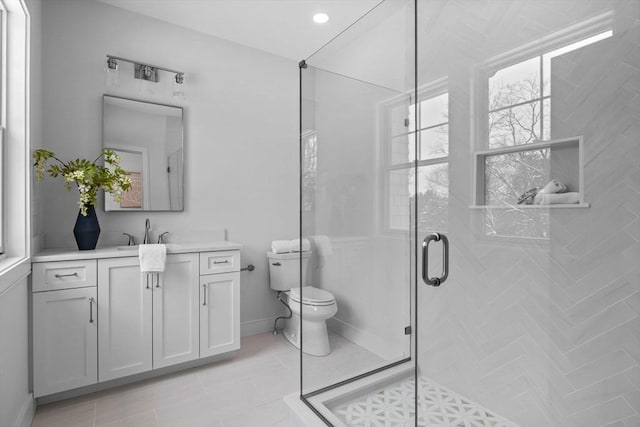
[{"x": 88, "y": 176}]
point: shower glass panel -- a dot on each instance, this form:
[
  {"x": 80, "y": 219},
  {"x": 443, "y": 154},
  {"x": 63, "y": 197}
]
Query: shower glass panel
[
  {"x": 357, "y": 146},
  {"x": 537, "y": 323},
  {"x": 511, "y": 128}
]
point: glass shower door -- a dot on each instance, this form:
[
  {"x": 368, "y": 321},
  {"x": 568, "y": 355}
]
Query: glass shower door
[
  {"x": 357, "y": 149},
  {"x": 537, "y": 188}
]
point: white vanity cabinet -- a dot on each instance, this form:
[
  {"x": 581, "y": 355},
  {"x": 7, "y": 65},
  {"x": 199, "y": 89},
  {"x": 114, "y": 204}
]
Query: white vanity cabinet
[
  {"x": 99, "y": 319},
  {"x": 147, "y": 321},
  {"x": 124, "y": 313},
  {"x": 65, "y": 340},
  {"x": 219, "y": 313},
  {"x": 175, "y": 312},
  {"x": 220, "y": 302}
]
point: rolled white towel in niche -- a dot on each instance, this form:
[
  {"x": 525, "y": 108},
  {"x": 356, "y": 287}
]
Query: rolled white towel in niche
[
  {"x": 570, "y": 198},
  {"x": 321, "y": 244},
  {"x": 553, "y": 186}
]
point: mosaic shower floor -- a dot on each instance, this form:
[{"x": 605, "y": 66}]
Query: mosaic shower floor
[{"x": 393, "y": 406}]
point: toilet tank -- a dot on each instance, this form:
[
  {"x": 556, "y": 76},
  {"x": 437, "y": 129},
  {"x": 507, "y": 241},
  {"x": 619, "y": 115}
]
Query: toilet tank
[{"x": 284, "y": 269}]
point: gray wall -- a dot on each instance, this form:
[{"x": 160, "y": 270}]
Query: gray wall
[{"x": 240, "y": 133}]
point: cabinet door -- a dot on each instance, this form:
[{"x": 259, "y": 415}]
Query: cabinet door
[
  {"x": 124, "y": 332},
  {"x": 219, "y": 313},
  {"x": 65, "y": 340},
  {"x": 175, "y": 311}
]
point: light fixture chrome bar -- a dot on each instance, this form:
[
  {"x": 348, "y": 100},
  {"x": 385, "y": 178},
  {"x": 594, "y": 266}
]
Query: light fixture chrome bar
[
  {"x": 144, "y": 63},
  {"x": 146, "y": 69}
]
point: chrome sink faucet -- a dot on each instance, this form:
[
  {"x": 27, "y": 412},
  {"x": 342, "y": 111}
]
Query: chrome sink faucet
[
  {"x": 147, "y": 229},
  {"x": 132, "y": 239}
]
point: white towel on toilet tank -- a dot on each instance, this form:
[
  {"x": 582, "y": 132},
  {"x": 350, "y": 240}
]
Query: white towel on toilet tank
[
  {"x": 300, "y": 245},
  {"x": 322, "y": 245},
  {"x": 281, "y": 246},
  {"x": 152, "y": 258},
  {"x": 295, "y": 245}
]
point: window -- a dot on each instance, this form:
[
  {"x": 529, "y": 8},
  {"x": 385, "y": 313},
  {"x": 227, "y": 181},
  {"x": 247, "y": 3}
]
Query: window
[
  {"x": 432, "y": 161},
  {"x": 514, "y": 103},
  {"x": 519, "y": 103},
  {"x": 309, "y": 169},
  {"x": 519, "y": 97},
  {"x": 15, "y": 164},
  {"x": 3, "y": 104}
]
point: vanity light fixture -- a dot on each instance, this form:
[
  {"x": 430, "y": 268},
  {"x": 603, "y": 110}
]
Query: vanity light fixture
[
  {"x": 320, "y": 18},
  {"x": 144, "y": 71},
  {"x": 112, "y": 63}
]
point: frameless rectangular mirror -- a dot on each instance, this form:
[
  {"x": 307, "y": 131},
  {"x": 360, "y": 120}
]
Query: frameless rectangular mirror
[{"x": 149, "y": 139}]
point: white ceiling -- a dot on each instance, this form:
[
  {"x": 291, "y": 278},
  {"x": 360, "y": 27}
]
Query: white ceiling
[{"x": 281, "y": 27}]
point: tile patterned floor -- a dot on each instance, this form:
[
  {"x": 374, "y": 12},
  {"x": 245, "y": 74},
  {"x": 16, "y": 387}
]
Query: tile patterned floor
[
  {"x": 245, "y": 391},
  {"x": 393, "y": 405}
]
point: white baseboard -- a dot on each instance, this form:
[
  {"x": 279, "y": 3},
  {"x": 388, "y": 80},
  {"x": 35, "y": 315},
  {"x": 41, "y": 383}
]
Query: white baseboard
[
  {"x": 28, "y": 410},
  {"x": 364, "y": 339},
  {"x": 255, "y": 327}
]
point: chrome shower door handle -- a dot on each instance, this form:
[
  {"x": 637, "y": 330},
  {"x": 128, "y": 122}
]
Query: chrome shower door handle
[{"x": 435, "y": 281}]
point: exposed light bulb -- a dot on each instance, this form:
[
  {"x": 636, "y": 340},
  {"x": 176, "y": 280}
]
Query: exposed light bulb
[{"x": 320, "y": 18}]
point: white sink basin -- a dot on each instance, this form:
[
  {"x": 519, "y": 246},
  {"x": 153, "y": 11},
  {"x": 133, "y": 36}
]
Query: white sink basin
[
  {"x": 181, "y": 247},
  {"x": 127, "y": 248},
  {"x": 170, "y": 246}
]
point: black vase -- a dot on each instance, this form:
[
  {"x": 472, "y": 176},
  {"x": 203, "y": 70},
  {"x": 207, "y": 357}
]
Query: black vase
[{"x": 87, "y": 229}]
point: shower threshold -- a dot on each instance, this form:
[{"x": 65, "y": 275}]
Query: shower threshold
[{"x": 387, "y": 399}]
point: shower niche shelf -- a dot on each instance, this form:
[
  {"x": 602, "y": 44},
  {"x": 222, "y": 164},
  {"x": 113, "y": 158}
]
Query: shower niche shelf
[
  {"x": 563, "y": 159},
  {"x": 518, "y": 207}
]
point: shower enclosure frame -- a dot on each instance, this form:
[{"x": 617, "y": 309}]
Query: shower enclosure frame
[
  {"x": 554, "y": 321},
  {"x": 410, "y": 330}
]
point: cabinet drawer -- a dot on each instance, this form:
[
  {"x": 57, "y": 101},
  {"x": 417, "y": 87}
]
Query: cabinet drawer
[
  {"x": 51, "y": 276},
  {"x": 219, "y": 262}
]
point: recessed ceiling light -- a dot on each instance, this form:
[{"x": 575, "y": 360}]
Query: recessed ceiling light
[{"x": 320, "y": 18}]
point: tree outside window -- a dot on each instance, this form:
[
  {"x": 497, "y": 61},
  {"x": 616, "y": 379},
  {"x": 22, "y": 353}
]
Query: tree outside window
[
  {"x": 432, "y": 153},
  {"x": 519, "y": 113}
]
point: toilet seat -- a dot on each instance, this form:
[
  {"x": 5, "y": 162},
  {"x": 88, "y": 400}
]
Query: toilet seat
[{"x": 312, "y": 296}]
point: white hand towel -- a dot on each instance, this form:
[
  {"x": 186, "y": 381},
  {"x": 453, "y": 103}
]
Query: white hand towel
[
  {"x": 560, "y": 199},
  {"x": 281, "y": 246},
  {"x": 300, "y": 245},
  {"x": 152, "y": 258},
  {"x": 322, "y": 245}
]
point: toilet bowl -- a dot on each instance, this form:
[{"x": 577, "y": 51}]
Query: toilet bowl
[
  {"x": 317, "y": 306},
  {"x": 314, "y": 305}
]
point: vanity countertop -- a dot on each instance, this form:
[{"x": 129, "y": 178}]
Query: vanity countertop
[{"x": 124, "y": 251}]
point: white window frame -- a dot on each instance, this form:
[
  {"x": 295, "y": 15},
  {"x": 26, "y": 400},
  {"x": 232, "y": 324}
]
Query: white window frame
[
  {"x": 556, "y": 40},
  {"x": 429, "y": 90},
  {"x": 3, "y": 120},
  {"x": 16, "y": 154},
  {"x": 310, "y": 173},
  {"x": 480, "y": 105}
]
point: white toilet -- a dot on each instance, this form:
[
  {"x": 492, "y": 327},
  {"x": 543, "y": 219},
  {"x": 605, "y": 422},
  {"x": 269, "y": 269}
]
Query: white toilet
[{"x": 318, "y": 305}]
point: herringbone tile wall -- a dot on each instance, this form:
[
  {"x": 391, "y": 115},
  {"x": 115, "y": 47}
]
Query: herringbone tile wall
[{"x": 546, "y": 332}]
